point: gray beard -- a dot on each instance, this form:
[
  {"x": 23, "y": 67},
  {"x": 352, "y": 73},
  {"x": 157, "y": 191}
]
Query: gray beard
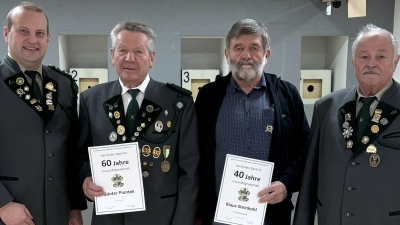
[{"x": 244, "y": 74}]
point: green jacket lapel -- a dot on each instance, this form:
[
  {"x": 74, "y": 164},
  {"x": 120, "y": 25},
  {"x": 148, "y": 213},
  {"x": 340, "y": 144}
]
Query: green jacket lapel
[
  {"x": 383, "y": 116},
  {"x": 114, "y": 109},
  {"x": 20, "y": 86},
  {"x": 347, "y": 121}
]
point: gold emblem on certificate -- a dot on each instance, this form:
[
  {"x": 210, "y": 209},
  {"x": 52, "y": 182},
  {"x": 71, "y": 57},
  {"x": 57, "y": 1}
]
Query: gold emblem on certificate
[
  {"x": 244, "y": 194},
  {"x": 117, "y": 180}
]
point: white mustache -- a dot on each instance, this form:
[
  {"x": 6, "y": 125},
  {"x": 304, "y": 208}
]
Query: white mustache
[{"x": 371, "y": 71}]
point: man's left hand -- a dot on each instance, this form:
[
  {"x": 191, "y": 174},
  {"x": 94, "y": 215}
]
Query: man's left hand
[
  {"x": 273, "y": 194},
  {"x": 75, "y": 217}
]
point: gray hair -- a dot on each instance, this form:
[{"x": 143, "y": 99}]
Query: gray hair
[
  {"x": 372, "y": 28},
  {"x": 248, "y": 26},
  {"x": 28, "y": 6},
  {"x": 134, "y": 26}
]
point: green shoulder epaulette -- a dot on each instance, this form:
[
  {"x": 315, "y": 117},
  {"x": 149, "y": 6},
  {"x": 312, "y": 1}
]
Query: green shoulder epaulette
[
  {"x": 178, "y": 88},
  {"x": 69, "y": 76}
]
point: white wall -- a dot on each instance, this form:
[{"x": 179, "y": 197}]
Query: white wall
[{"x": 396, "y": 32}]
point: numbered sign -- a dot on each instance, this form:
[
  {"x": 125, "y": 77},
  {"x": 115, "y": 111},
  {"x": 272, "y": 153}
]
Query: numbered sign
[{"x": 193, "y": 80}]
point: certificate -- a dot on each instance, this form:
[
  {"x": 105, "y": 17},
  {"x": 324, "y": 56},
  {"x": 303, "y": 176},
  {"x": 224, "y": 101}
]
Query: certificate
[
  {"x": 242, "y": 180},
  {"x": 116, "y": 168}
]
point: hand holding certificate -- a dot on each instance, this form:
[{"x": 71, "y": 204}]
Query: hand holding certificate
[
  {"x": 116, "y": 168},
  {"x": 242, "y": 180}
]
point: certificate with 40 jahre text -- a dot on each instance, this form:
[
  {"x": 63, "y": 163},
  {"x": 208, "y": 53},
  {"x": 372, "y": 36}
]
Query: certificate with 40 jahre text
[
  {"x": 243, "y": 178},
  {"x": 116, "y": 168}
]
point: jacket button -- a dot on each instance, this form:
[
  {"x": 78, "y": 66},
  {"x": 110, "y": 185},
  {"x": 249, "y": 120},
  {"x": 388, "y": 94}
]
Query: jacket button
[
  {"x": 347, "y": 214},
  {"x": 51, "y": 179},
  {"x": 353, "y": 163},
  {"x": 349, "y": 188},
  {"x": 50, "y": 155},
  {"x": 47, "y": 131}
]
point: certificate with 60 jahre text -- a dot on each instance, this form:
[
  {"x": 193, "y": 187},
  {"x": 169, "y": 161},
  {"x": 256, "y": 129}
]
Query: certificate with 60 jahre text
[
  {"x": 116, "y": 168},
  {"x": 243, "y": 178}
]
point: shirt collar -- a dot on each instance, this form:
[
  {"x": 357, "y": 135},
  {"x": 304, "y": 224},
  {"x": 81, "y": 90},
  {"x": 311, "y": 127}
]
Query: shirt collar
[
  {"x": 142, "y": 87},
  {"x": 39, "y": 70},
  {"x": 378, "y": 95},
  {"x": 232, "y": 87}
]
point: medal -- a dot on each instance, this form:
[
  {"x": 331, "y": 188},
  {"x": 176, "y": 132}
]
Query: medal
[
  {"x": 376, "y": 118},
  {"x": 39, "y": 108},
  {"x": 146, "y": 150},
  {"x": 165, "y": 166},
  {"x": 49, "y": 86},
  {"x": 169, "y": 123},
  {"x": 384, "y": 121},
  {"x": 375, "y": 129},
  {"x": 371, "y": 149},
  {"x": 179, "y": 105},
  {"x": 20, "y": 81},
  {"x": 347, "y": 116},
  {"x": 26, "y": 88},
  {"x": 365, "y": 140},
  {"x": 158, "y": 126},
  {"x": 149, "y": 108},
  {"x": 117, "y": 114},
  {"x": 145, "y": 174},
  {"x": 349, "y": 144},
  {"x": 120, "y": 129},
  {"x": 374, "y": 160},
  {"x": 269, "y": 129},
  {"x": 166, "y": 113},
  {"x": 156, "y": 152},
  {"x": 112, "y": 136},
  {"x": 124, "y": 138}
]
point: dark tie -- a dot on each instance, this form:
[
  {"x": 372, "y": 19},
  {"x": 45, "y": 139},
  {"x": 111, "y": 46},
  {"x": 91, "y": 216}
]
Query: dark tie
[
  {"x": 35, "y": 86},
  {"x": 133, "y": 109},
  {"x": 364, "y": 117}
]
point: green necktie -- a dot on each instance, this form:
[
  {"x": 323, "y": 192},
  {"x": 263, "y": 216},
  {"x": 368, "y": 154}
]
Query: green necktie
[
  {"x": 364, "y": 117},
  {"x": 131, "y": 112},
  {"x": 35, "y": 86}
]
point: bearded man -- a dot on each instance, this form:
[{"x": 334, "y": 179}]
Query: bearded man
[{"x": 252, "y": 114}]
